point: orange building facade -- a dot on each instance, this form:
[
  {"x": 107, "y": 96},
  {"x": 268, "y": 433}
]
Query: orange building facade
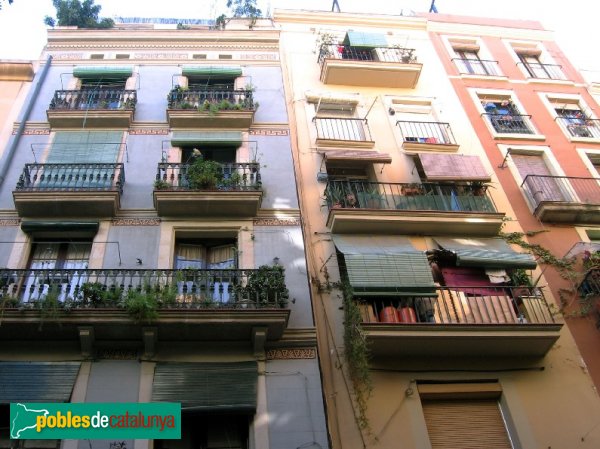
[{"x": 543, "y": 145}]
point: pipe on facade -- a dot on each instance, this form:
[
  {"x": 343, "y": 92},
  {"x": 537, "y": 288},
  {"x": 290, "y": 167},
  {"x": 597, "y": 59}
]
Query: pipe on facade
[{"x": 10, "y": 150}]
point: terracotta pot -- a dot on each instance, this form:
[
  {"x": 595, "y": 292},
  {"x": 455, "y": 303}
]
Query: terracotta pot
[
  {"x": 407, "y": 315},
  {"x": 389, "y": 315}
]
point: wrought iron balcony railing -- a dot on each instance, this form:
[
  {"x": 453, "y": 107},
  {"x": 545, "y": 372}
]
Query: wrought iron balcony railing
[
  {"x": 590, "y": 285},
  {"x": 235, "y": 176},
  {"x": 211, "y": 100},
  {"x": 458, "y": 197},
  {"x": 563, "y": 189},
  {"x": 581, "y": 127},
  {"x": 426, "y": 132},
  {"x": 510, "y": 123},
  {"x": 464, "y": 305},
  {"x": 168, "y": 289},
  {"x": 100, "y": 99},
  {"x": 472, "y": 66},
  {"x": 351, "y": 129},
  {"x": 378, "y": 54},
  {"x": 544, "y": 71},
  {"x": 71, "y": 177}
]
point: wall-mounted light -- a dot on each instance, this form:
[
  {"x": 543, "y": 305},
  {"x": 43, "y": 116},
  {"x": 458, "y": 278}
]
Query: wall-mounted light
[
  {"x": 392, "y": 111},
  {"x": 275, "y": 260},
  {"x": 139, "y": 261}
]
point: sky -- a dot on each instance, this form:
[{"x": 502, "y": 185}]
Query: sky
[{"x": 23, "y": 33}]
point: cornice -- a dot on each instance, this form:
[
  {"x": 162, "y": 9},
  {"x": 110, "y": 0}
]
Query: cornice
[
  {"x": 153, "y": 46},
  {"x": 349, "y": 19},
  {"x": 16, "y": 70}
]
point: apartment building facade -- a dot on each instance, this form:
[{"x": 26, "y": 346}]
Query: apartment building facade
[
  {"x": 537, "y": 121},
  {"x": 429, "y": 334},
  {"x": 151, "y": 240}
]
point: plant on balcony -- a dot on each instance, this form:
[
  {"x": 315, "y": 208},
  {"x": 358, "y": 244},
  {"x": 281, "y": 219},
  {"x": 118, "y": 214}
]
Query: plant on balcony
[
  {"x": 203, "y": 174},
  {"x": 233, "y": 181},
  {"x": 161, "y": 184},
  {"x": 370, "y": 198},
  {"x": 265, "y": 286},
  {"x": 92, "y": 293},
  {"x": 141, "y": 305}
]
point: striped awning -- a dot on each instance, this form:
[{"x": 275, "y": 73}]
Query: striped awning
[
  {"x": 211, "y": 71},
  {"x": 440, "y": 167},
  {"x": 373, "y": 157},
  {"x": 207, "y": 386},
  {"x": 214, "y": 138},
  {"x": 385, "y": 265},
  {"x": 99, "y": 72},
  {"x": 37, "y": 381},
  {"x": 486, "y": 253}
]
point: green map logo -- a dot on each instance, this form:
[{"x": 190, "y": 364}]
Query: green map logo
[{"x": 150, "y": 420}]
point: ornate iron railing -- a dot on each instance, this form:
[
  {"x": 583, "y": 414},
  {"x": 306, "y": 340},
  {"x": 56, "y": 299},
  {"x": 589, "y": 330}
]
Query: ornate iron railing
[
  {"x": 101, "y": 99},
  {"x": 72, "y": 177},
  {"x": 562, "y": 189},
  {"x": 378, "y": 54},
  {"x": 234, "y": 176},
  {"x": 472, "y": 66},
  {"x": 581, "y": 127},
  {"x": 463, "y": 305},
  {"x": 169, "y": 289},
  {"x": 510, "y": 123},
  {"x": 458, "y": 197},
  {"x": 211, "y": 100},
  {"x": 351, "y": 129},
  {"x": 426, "y": 132}
]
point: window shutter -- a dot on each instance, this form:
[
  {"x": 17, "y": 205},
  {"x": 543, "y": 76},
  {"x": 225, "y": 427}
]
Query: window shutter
[
  {"x": 85, "y": 147},
  {"x": 465, "y": 424},
  {"x": 440, "y": 167}
]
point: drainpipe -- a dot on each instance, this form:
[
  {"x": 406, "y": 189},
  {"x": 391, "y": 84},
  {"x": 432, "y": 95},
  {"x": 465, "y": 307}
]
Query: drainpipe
[{"x": 8, "y": 155}]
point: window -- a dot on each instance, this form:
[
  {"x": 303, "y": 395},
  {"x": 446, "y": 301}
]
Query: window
[
  {"x": 504, "y": 115},
  {"x": 538, "y": 181},
  {"x": 97, "y": 56},
  {"x": 467, "y": 415},
  {"x": 122, "y": 56},
  {"x": 50, "y": 258},
  {"x": 535, "y": 62},
  {"x": 335, "y": 119},
  {"x": 418, "y": 122},
  {"x": 469, "y": 62},
  {"x": 572, "y": 115},
  {"x": 213, "y": 257}
]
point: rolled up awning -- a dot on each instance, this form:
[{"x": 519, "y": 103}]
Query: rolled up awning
[
  {"x": 385, "y": 265},
  {"x": 359, "y": 156},
  {"x": 207, "y": 386},
  {"x": 211, "y": 71},
  {"x": 486, "y": 253},
  {"x": 37, "y": 381},
  {"x": 213, "y": 138},
  {"x": 365, "y": 40},
  {"x": 68, "y": 229},
  {"x": 440, "y": 167},
  {"x": 100, "y": 72}
]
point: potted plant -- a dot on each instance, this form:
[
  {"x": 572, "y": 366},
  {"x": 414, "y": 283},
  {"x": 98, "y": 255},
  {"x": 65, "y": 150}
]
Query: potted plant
[
  {"x": 204, "y": 174},
  {"x": 370, "y": 198},
  {"x": 265, "y": 286},
  {"x": 141, "y": 305},
  {"x": 160, "y": 184}
]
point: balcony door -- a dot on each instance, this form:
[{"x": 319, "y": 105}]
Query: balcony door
[
  {"x": 46, "y": 278},
  {"x": 539, "y": 182},
  {"x": 82, "y": 160}
]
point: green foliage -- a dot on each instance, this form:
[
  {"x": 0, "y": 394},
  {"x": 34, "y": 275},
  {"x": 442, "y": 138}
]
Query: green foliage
[
  {"x": 266, "y": 285},
  {"x": 544, "y": 256},
  {"x": 80, "y": 14},
  {"x": 160, "y": 184},
  {"x": 203, "y": 174},
  {"x": 240, "y": 9},
  {"x": 181, "y": 26},
  {"x": 357, "y": 355},
  {"x": 141, "y": 305},
  {"x": 92, "y": 293}
]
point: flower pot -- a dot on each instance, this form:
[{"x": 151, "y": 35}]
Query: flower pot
[
  {"x": 389, "y": 315},
  {"x": 407, "y": 315}
]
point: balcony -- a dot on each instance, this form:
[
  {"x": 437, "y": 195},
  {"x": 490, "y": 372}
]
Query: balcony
[
  {"x": 543, "y": 71},
  {"x": 359, "y": 207},
  {"x": 422, "y": 136},
  {"x": 98, "y": 108},
  {"x": 510, "y": 123},
  {"x": 370, "y": 67},
  {"x": 476, "y": 66},
  {"x": 69, "y": 190},
  {"x": 210, "y": 108},
  {"x": 235, "y": 191},
  {"x": 562, "y": 199},
  {"x": 581, "y": 129},
  {"x": 119, "y": 305},
  {"x": 461, "y": 322},
  {"x": 343, "y": 132}
]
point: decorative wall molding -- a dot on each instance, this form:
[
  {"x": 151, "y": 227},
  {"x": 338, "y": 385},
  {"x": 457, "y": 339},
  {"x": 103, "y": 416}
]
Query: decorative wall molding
[
  {"x": 33, "y": 132},
  {"x": 269, "y": 132},
  {"x": 291, "y": 354},
  {"x": 276, "y": 222},
  {"x": 149, "y": 131},
  {"x": 117, "y": 354},
  {"x": 10, "y": 221},
  {"x": 136, "y": 222}
]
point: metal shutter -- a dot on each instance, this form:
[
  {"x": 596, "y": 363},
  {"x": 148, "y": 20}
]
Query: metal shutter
[
  {"x": 542, "y": 188},
  {"x": 465, "y": 424}
]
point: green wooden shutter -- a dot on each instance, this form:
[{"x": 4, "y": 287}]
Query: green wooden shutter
[
  {"x": 37, "y": 381},
  {"x": 212, "y": 71},
  {"x": 207, "y": 386}
]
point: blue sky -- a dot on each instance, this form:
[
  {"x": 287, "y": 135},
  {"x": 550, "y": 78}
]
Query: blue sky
[{"x": 23, "y": 33}]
